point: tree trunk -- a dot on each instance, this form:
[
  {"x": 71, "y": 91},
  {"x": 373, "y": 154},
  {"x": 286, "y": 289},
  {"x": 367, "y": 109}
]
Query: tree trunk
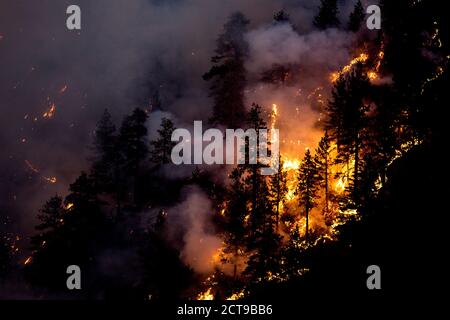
[
  {"x": 326, "y": 184},
  {"x": 307, "y": 223},
  {"x": 278, "y": 204},
  {"x": 355, "y": 175}
]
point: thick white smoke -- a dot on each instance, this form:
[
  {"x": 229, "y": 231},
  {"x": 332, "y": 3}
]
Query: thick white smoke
[{"x": 193, "y": 216}]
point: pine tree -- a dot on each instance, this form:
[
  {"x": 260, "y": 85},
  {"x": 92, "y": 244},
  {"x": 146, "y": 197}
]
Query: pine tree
[
  {"x": 308, "y": 186},
  {"x": 67, "y": 234},
  {"x": 105, "y": 153},
  {"x": 51, "y": 215},
  {"x": 327, "y": 16},
  {"x": 347, "y": 119},
  {"x": 356, "y": 17},
  {"x": 162, "y": 147},
  {"x": 133, "y": 146},
  {"x": 228, "y": 73},
  {"x": 235, "y": 213},
  {"x": 262, "y": 239},
  {"x": 256, "y": 182},
  {"x": 278, "y": 189},
  {"x": 323, "y": 161}
]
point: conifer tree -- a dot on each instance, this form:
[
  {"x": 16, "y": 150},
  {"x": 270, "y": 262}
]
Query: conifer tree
[
  {"x": 308, "y": 186},
  {"x": 278, "y": 189},
  {"x": 162, "y": 146},
  {"x": 236, "y": 214},
  {"x": 228, "y": 73},
  {"x": 105, "y": 153},
  {"x": 327, "y": 16},
  {"x": 347, "y": 119},
  {"x": 356, "y": 17},
  {"x": 134, "y": 146},
  {"x": 323, "y": 160}
]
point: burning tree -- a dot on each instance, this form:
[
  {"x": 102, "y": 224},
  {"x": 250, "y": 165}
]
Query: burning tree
[
  {"x": 278, "y": 190},
  {"x": 346, "y": 119}
]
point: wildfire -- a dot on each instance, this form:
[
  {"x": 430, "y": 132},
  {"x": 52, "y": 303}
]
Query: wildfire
[
  {"x": 236, "y": 295},
  {"x": 207, "y": 295},
  {"x": 340, "y": 184},
  {"x": 69, "y": 206},
  {"x": 361, "y": 58},
  {"x": 291, "y": 164},
  {"x": 372, "y": 75}
]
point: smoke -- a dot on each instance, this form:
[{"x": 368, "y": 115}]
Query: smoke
[
  {"x": 120, "y": 57},
  {"x": 191, "y": 219},
  {"x": 277, "y": 44},
  {"x": 309, "y": 59},
  {"x": 122, "y": 54}
]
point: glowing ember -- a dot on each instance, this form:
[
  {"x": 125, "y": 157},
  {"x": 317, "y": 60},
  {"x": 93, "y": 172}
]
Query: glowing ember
[
  {"x": 50, "y": 112},
  {"x": 31, "y": 167},
  {"x": 27, "y": 261},
  {"x": 36, "y": 170},
  {"x": 50, "y": 179},
  {"x": 63, "y": 89}
]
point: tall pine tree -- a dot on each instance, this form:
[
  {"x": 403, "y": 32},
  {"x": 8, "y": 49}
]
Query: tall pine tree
[
  {"x": 308, "y": 186},
  {"x": 228, "y": 73},
  {"x": 278, "y": 189},
  {"x": 323, "y": 160},
  {"x": 327, "y": 16},
  {"x": 356, "y": 17},
  {"x": 134, "y": 146},
  {"x": 347, "y": 119},
  {"x": 162, "y": 146}
]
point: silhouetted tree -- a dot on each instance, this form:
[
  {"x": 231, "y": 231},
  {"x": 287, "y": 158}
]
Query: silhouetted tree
[
  {"x": 263, "y": 242},
  {"x": 163, "y": 145},
  {"x": 228, "y": 73},
  {"x": 327, "y": 16},
  {"x": 134, "y": 146},
  {"x": 308, "y": 186},
  {"x": 67, "y": 234},
  {"x": 356, "y": 17},
  {"x": 235, "y": 214},
  {"x": 347, "y": 118},
  {"x": 278, "y": 189},
  {"x": 324, "y": 161},
  {"x": 105, "y": 153}
]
